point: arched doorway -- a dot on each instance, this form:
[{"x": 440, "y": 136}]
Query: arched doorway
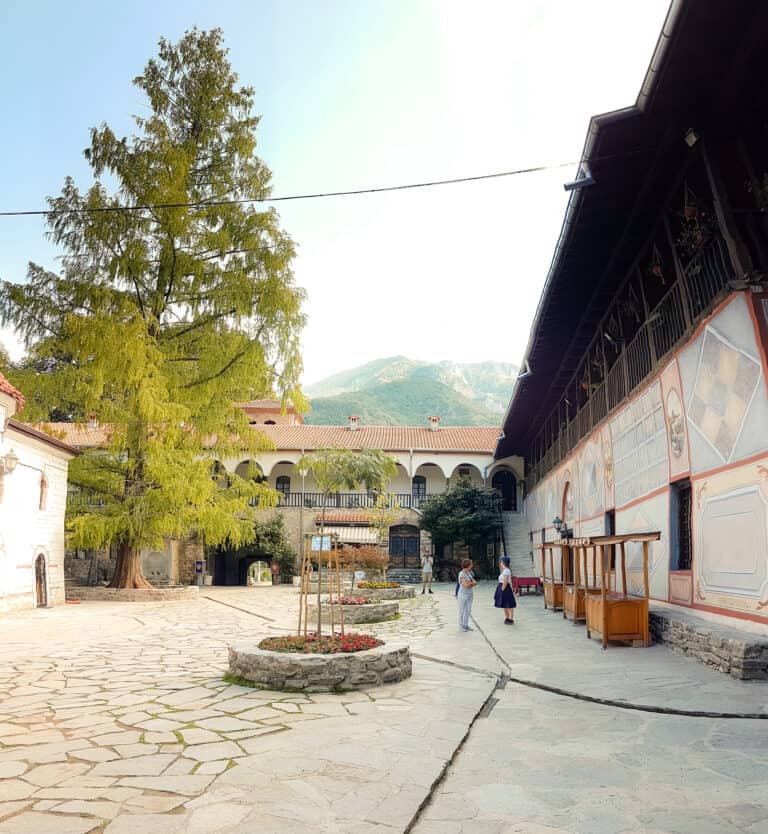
[
  {"x": 505, "y": 483},
  {"x": 404, "y": 540},
  {"x": 41, "y": 584}
]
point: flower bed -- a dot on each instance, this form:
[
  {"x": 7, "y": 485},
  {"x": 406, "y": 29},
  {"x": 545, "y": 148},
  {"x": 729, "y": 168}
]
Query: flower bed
[
  {"x": 327, "y": 644},
  {"x": 378, "y": 585},
  {"x": 348, "y": 601},
  {"x": 297, "y": 671},
  {"x": 372, "y": 610}
]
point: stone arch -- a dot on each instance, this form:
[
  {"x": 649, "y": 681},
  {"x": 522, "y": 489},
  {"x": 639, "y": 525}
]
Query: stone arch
[
  {"x": 250, "y": 470},
  {"x": 504, "y": 481},
  {"x": 434, "y": 477},
  {"x": 282, "y": 462},
  {"x": 467, "y": 470}
]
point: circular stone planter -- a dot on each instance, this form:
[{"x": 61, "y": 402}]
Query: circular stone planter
[
  {"x": 389, "y": 663},
  {"x": 96, "y": 592},
  {"x": 405, "y": 592},
  {"x": 374, "y": 612}
]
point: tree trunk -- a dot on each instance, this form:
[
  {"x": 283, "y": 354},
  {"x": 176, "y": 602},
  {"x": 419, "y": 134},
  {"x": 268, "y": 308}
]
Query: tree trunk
[{"x": 128, "y": 569}]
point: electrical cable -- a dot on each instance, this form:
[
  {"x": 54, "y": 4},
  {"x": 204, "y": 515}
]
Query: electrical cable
[{"x": 202, "y": 204}]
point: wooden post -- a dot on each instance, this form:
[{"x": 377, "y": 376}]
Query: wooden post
[
  {"x": 605, "y": 601},
  {"x": 544, "y": 573},
  {"x": 646, "y": 628},
  {"x": 623, "y": 570}
]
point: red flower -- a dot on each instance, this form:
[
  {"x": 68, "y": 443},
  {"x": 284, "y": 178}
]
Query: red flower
[{"x": 331, "y": 644}]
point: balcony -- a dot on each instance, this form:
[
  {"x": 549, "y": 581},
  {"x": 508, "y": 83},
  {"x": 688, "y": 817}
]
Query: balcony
[{"x": 346, "y": 500}]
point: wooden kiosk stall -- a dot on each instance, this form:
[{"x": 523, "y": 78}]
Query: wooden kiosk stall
[
  {"x": 553, "y": 586},
  {"x": 576, "y": 592},
  {"x": 617, "y": 615}
]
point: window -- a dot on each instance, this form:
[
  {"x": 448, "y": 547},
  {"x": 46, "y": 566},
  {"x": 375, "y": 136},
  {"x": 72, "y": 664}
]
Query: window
[
  {"x": 283, "y": 484},
  {"x": 43, "y": 491},
  {"x": 419, "y": 487},
  {"x": 681, "y": 551},
  {"x": 269, "y": 423}
]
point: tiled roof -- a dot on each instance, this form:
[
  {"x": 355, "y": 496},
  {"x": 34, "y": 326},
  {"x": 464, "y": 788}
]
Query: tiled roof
[
  {"x": 478, "y": 439},
  {"x": 343, "y": 518},
  {"x": 7, "y": 388},
  {"x": 44, "y": 437},
  {"x": 81, "y": 435}
]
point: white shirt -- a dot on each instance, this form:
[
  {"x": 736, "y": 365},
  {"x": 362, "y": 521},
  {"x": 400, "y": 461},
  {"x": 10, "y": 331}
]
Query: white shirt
[
  {"x": 508, "y": 573},
  {"x": 426, "y": 564}
]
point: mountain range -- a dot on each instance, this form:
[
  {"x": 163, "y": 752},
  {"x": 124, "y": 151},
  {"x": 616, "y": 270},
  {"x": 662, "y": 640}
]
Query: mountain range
[{"x": 398, "y": 391}]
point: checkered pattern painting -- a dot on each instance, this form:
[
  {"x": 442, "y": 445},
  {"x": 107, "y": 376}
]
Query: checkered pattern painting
[{"x": 725, "y": 382}]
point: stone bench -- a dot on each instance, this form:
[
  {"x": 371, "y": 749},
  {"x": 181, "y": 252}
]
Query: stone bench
[{"x": 738, "y": 653}]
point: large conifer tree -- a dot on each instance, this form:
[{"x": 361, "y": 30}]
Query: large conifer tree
[{"x": 163, "y": 317}]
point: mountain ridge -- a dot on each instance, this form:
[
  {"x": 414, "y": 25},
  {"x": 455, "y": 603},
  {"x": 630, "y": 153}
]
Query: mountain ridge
[{"x": 397, "y": 390}]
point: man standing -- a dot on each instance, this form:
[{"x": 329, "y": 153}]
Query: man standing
[{"x": 426, "y": 573}]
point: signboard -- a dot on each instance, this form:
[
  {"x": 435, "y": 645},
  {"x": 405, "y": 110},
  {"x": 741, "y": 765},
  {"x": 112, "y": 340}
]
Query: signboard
[
  {"x": 199, "y": 565},
  {"x": 359, "y": 574},
  {"x": 326, "y": 544}
]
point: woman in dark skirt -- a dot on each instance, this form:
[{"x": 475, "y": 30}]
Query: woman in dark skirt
[{"x": 504, "y": 597}]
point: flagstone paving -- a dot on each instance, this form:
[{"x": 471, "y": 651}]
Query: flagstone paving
[{"x": 115, "y": 719}]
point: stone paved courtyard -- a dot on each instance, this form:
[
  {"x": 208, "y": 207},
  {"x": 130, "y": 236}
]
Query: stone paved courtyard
[{"x": 115, "y": 719}]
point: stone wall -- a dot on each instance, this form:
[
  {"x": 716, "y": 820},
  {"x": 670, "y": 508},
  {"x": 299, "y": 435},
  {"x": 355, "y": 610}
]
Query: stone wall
[
  {"x": 386, "y": 593},
  {"x": 389, "y": 663},
  {"x": 98, "y": 592},
  {"x": 740, "y": 654},
  {"x": 375, "y": 612}
]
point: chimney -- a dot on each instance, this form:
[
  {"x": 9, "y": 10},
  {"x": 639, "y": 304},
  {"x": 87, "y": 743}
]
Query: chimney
[
  {"x": 434, "y": 423},
  {"x": 354, "y": 422},
  {"x": 92, "y": 421}
]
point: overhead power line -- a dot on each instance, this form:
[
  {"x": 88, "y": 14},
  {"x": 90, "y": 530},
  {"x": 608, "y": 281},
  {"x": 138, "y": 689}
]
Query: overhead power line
[{"x": 311, "y": 196}]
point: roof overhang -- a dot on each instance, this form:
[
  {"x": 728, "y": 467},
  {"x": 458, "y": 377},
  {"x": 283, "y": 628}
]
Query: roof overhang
[{"x": 633, "y": 153}]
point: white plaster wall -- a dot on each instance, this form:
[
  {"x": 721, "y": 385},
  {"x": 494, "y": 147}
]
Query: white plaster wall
[
  {"x": 27, "y": 531},
  {"x": 435, "y": 479},
  {"x": 735, "y": 387}
]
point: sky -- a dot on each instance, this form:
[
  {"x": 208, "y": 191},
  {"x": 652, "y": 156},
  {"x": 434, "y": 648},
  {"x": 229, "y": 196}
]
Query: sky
[{"x": 353, "y": 94}]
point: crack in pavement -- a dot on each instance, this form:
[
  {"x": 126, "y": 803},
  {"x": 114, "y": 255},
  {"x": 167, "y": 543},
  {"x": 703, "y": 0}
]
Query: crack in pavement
[{"x": 612, "y": 702}]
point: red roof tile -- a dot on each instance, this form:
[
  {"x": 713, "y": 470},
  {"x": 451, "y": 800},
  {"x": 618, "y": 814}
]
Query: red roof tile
[
  {"x": 480, "y": 439},
  {"x": 7, "y": 388},
  {"x": 343, "y": 518},
  {"x": 477, "y": 439},
  {"x": 81, "y": 435}
]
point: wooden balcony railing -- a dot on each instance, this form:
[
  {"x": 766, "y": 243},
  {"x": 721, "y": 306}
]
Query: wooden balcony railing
[{"x": 701, "y": 281}]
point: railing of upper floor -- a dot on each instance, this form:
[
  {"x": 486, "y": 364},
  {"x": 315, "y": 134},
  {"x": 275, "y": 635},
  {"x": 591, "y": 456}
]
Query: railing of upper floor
[
  {"x": 308, "y": 500},
  {"x": 347, "y": 500},
  {"x": 701, "y": 280}
]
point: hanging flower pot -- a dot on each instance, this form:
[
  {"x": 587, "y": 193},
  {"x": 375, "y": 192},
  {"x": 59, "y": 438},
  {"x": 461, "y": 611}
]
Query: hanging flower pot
[
  {"x": 657, "y": 270},
  {"x": 691, "y": 213}
]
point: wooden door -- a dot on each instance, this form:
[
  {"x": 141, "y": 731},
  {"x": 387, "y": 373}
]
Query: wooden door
[{"x": 41, "y": 586}]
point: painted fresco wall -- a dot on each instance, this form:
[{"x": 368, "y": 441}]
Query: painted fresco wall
[{"x": 705, "y": 416}]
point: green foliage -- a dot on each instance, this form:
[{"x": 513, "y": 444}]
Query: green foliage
[
  {"x": 464, "y": 513},
  {"x": 338, "y": 470},
  {"x": 401, "y": 391},
  {"x": 162, "y": 318},
  {"x": 404, "y": 403},
  {"x": 270, "y": 544}
]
